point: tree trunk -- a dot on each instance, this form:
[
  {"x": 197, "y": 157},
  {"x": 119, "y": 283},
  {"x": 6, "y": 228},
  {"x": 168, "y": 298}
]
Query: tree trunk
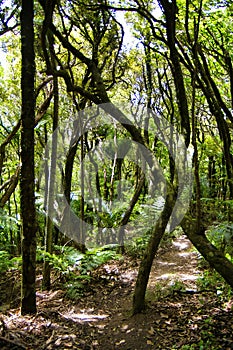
[
  {"x": 27, "y": 196},
  {"x": 51, "y": 185},
  {"x": 215, "y": 257},
  {"x": 147, "y": 260},
  {"x": 67, "y": 180},
  {"x": 128, "y": 212},
  {"x": 170, "y": 11},
  {"x": 9, "y": 187}
]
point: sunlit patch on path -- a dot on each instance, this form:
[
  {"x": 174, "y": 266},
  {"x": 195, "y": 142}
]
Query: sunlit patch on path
[
  {"x": 178, "y": 263},
  {"x": 84, "y": 316}
]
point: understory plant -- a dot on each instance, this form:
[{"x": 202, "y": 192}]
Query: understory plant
[{"x": 75, "y": 268}]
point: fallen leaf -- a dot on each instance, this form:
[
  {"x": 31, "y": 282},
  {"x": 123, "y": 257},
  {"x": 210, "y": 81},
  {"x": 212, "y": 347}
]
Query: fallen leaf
[
  {"x": 149, "y": 342},
  {"x": 151, "y": 331},
  {"x": 121, "y": 342},
  {"x": 125, "y": 327}
]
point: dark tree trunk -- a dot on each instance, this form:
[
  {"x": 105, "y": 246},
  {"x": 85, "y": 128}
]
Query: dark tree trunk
[
  {"x": 27, "y": 197},
  {"x": 215, "y": 257},
  {"x": 170, "y": 11},
  {"x": 9, "y": 187},
  {"x": 128, "y": 212},
  {"x": 67, "y": 180},
  {"x": 147, "y": 260}
]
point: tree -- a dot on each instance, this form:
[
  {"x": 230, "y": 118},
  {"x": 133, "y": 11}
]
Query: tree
[
  {"x": 27, "y": 180},
  {"x": 181, "y": 69},
  {"x": 49, "y": 55},
  {"x": 202, "y": 75}
]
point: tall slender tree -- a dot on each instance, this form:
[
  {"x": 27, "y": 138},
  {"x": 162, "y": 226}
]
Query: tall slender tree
[{"x": 27, "y": 197}]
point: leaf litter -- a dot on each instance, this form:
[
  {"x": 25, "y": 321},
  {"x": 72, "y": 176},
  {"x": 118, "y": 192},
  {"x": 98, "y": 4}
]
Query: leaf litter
[{"x": 176, "y": 316}]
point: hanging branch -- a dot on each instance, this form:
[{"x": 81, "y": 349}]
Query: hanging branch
[
  {"x": 40, "y": 114},
  {"x": 10, "y": 186}
]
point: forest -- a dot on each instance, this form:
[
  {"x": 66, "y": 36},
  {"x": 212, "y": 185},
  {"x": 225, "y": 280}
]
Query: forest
[{"x": 116, "y": 174}]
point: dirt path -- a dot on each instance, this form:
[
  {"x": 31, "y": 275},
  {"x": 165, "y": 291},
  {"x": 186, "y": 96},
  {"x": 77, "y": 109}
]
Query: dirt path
[
  {"x": 177, "y": 264},
  {"x": 102, "y": 319}
]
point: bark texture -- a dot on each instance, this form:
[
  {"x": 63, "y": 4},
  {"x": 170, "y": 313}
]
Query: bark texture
[{"x": 27, "y": 197}]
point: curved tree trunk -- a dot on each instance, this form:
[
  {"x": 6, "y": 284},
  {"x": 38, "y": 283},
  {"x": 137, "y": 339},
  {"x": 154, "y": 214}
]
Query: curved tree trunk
[
  {"x": 215, "y": 257},
  {"x": 147, "y": 260}
]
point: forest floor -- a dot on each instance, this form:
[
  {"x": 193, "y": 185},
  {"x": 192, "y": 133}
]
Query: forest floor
[{"x": 178, "y": 316}]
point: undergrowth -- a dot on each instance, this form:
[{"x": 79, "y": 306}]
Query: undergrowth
[
  {"x": 75, "y": 268},
  {"x": 7, "y": 263}
]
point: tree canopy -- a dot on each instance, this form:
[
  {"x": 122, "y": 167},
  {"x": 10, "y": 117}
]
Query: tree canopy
[{"x": 117, "y": 124}]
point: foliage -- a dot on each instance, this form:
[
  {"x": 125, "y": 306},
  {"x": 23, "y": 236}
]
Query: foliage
[
  {"x": 75, "y": 290},
  {"x": 94, "y": 258},
  {"x": 9, "y": 226},
  {"x": 83, "y": 48},
  {"x": 163, "y": 290},
  {"x": 7, "y": 263},
  {"x": 137, "y": 247},
  {"x": 69, "y": 261},
  {"x": 221, "y": 235},
  {"x": 211, "y": 280},
  {"x": 4, "y": 261},
  {"x": 75, "y": 268},
  {"x": 206, "y": 343}
]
